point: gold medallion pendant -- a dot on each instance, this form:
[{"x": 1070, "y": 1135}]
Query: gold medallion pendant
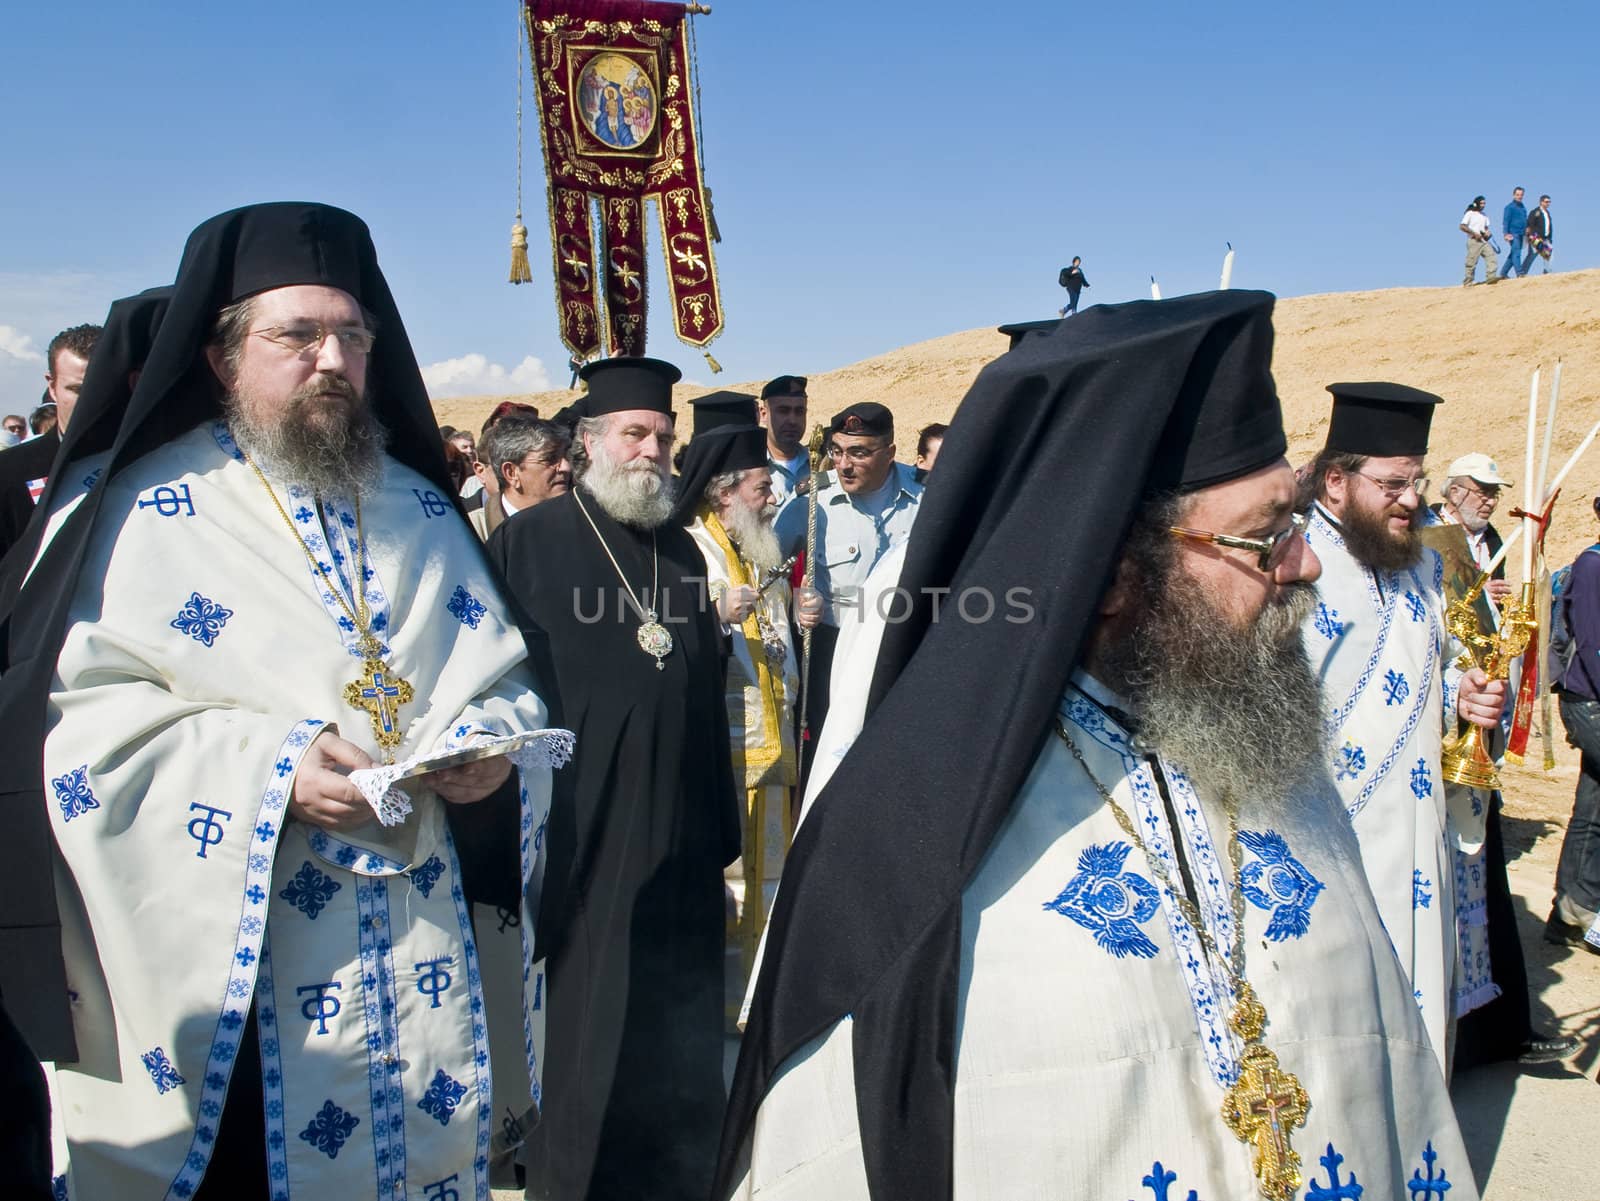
[
  {"x": 379, "y": 693},
  {"x": 654, "y": 639}
]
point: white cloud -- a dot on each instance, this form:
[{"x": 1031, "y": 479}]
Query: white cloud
[
  {"x": 14, "y": 344},
  {"x": 475, "y": 375}
]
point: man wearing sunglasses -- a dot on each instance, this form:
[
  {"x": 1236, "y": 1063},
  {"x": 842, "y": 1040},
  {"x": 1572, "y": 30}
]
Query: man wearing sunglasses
[{"x": 1378, "y": 639}]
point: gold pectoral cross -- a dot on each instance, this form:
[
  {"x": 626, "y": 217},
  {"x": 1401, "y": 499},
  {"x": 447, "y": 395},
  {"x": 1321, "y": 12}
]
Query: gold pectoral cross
[
  {"x": 1264, "y": 1105},
  {"x": 380, "y": 693}
]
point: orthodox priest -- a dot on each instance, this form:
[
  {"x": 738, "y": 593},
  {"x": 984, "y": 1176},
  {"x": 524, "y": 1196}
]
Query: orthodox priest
[
  {"x": 645, "y": 820},
  {"x": 1378, "y": 641},
  {"x": 271, "y": 991},
  {"x": 726, "y": 497},
  {"x": 1131, "y": 946}
]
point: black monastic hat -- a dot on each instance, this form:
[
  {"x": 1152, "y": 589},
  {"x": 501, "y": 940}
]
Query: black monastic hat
[
  {"x": 1380, "y": 419},
  {"x": 709, "y": 454},
  {"x": 865, "y": 417},
  {"x": 1128, "y": 401},
  {"x": 717, "y": 409},
  {"x": 625, "y": 383}
]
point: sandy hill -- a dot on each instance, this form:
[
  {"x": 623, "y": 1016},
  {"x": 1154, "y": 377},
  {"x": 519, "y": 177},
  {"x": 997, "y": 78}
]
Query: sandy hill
[{"x": 1474, "y": 346}]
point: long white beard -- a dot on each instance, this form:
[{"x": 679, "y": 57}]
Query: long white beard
[
  {"x": 639, "y": 493},
  {"x": 752, "y": 532}
]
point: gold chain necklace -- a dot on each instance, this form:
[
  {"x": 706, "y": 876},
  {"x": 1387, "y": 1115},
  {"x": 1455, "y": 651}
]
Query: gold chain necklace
[
  {"x": 1265, "y": 1104},
  {"x": 379, "y": 692},
  {"x": 654, "y": 638}
]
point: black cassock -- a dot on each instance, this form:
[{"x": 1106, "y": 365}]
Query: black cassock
[{"x": 642, "y": 822}]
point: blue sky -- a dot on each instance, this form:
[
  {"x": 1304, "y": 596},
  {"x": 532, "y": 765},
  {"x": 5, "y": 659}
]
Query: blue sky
[{"x": 883, "y": 173}]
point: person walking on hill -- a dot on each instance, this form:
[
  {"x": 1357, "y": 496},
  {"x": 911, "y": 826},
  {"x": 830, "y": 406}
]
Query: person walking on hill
[
  {"x": 1074, "y": 281},
  {"x": 1541, "y": 235},
  {"x": 1514, "y": 227},
  {"x": 1480, "y": 243}
]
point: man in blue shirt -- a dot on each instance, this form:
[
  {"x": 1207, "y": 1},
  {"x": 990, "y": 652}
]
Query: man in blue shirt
[
  {"x": 865, "y": 507},
  {"x": 1577, "y": 898},
  {"x": 1514, "y": 228}
]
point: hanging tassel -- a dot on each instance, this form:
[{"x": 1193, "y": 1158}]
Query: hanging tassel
[
  {"x": 521, "y": 273},
  {"x": 716, "y": 367}
]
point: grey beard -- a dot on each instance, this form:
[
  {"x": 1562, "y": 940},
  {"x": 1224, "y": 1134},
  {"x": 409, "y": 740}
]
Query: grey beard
[
  {"x": 1240, "y": 710},
  {"x": 751, "y": 531},
  {"x": 637, "y": 494},
  {"x": 297, "y": 445},
  {"x": 1368, "y": 539}
]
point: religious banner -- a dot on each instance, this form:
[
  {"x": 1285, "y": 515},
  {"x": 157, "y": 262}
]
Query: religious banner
[{"x": 617, "y": 124}]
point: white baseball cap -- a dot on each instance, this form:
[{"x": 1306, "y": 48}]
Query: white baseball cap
[{"x": 1478, "y": 467}]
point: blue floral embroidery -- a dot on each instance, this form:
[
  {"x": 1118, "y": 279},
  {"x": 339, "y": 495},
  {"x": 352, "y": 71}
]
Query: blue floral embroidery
[
  {"x": 1333, "y": 1190},
  {"x": 201, "y": 619},
  {"x": 1395, "y": 688},
  {"x": 1414, "y": 605},
  {"x": 161, "y": 1070},
  {"x": 1421, "y": 898},
  {"x": 1160, "y": 1181},
  {"x": 425, "y": 875},
  {"x": 1279, "y": 883},
  {"x": 310, "y": 890},
  {"x": 442, "y": 1097},
  {"x": 1349, "y": 761},
  {"x": 466, "y": 608},
  {"x": 1421, "y": 781},
  {"x": 330, "y": 1129},
  {"x": 1433, "y": 1186},
  {"x": 1326, "y": 622},
  {"x": 73, "y": 793},
  {"x": 1110, "y": 902}
]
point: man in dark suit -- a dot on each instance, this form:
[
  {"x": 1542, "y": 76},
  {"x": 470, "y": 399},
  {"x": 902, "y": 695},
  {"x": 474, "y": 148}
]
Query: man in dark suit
[{"x": 1542, "y": 228}]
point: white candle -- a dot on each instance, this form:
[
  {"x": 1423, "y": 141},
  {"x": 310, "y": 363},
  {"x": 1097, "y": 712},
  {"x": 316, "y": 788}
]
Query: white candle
[
  {"x": 1155, "y": 289},
  {"x": 1550, "y": 490},
  {"x": 1529, "y": 500},
  {"x": 1543, "y": 492},
  {"x": 1227, "y": 268}
]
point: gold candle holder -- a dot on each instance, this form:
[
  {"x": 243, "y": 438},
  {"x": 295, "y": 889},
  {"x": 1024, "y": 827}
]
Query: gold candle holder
[{"x": 1466, "y": 759}]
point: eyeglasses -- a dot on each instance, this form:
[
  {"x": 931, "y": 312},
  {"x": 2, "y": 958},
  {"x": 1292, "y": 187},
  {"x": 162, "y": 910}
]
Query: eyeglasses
[
  {"x": 1396, "y": 486},
  {"x": 305, "y": 336},
  {"x": 1269, "y": 551},
  {"x": 1491, "y": 496},
  {"x": 856, "y": 454}
]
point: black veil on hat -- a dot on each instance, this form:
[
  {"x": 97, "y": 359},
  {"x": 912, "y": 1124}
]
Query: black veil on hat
[
  {"x": 1130, "y": 401},
  {"x": 226, "y": 259}
]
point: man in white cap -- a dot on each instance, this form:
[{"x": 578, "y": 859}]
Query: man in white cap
[{"x": 1471, "y": 493}]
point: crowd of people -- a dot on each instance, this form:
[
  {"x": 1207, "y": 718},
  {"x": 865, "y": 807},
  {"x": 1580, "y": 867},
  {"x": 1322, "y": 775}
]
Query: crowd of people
[
  {"x": 1529, "y": 238},
  {"x": 402, "y": 811}
]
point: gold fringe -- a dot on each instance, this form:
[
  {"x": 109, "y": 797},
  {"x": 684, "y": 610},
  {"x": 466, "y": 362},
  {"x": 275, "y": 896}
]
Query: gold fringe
[
  {"x": 716, "y": 367},
  {"x": 521, "y": 273},
  {"x": 1513, "y": 758}
]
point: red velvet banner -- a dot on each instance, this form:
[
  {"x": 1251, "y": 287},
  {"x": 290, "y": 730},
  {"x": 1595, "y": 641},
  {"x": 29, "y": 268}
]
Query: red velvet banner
[{"x": 617, "y": 126}]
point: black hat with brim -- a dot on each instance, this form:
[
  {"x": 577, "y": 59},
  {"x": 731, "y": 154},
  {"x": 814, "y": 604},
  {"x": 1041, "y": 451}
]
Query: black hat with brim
[
  {"x": 1382, "y": 420},
  {"x": 625, "y": 384}
]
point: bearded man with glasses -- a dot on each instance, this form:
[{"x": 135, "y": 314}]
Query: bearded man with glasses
[{"x": 1378, "y": 640}]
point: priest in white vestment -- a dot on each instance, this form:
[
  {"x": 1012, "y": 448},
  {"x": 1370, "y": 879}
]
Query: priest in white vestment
[
  {"x": 274, "y": 992},
  {"x": 1392, "y": 685},
  {"x": 1079, "y": 914}
]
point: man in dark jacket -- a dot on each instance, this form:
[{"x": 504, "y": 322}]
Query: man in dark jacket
[
  {"x": 1074, "y": 281},
  {"x": 1577, "y": 899}
]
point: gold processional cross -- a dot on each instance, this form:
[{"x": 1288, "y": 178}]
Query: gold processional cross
[{"x": 1261, "y": 1109}]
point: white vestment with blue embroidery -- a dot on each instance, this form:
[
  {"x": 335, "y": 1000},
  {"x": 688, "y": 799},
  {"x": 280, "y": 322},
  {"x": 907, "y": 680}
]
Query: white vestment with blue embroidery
[
  {"x": 1092, "y": 1048},
  {"x": 1378, "y": 641},
  {"x": 203, "y": 655}
]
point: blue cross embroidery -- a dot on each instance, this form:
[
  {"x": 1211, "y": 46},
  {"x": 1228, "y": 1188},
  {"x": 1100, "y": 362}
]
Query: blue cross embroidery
[
  {"x": 1421, "y": 898},
  {"x": 426, "y": 874},
  {"x": 1333, "y": 1191},
  {"x": 310, "y": 890},
  {"x": 1395, "y": 688},
  {"x": 303, "y": 514},
  {"x": 1421, "y": 781},
  {"x": 1110, "y": 902},
  {"x": 1433, "y": 1186},
  {"x": 1160, "y": 1181},
  {"x": 1349, "y": 761},
  {"x": 442, "y": 1097},
  {"x": 73, "y": 793},
  {"x": 161, "y": 1070},
  {"x": 466, "y": 608},
  {"x": 330, "y": 1129},
  {"x": 1326, "y": 622},
  {"x": 201, "y": 619},
  {"x": 1278, "y": 883},
  {"x": 1414, "y": 605}
]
